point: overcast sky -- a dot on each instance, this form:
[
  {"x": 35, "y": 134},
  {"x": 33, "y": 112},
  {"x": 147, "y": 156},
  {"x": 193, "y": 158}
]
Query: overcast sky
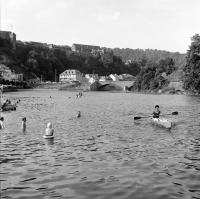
[{"x": 156, "y": 24}]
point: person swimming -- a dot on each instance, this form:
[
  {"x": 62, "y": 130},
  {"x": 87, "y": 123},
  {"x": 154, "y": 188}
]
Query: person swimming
[
  {"x": 156, "y": 113},
  {"x": 78, "y": 114},
  {"x": 1, "y": 123},
  {"x": 23, "y": 126},
  {"x": 49, "y": 130}
]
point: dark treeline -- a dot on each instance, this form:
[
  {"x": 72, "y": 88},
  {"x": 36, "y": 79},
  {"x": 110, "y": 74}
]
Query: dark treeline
[
  {"x": 147, "y": 65},
  {"x": 48, "y": 62},
  {"x": 150, "y": 54},
  {"x": 192, "y": 67},
  {"x": 153, "y": 76}
]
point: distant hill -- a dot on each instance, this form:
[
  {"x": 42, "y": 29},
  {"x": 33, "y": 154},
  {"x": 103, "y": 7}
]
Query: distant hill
[
  {"x": 48, "y": 61},
  {"x": 128, "y": 54}
]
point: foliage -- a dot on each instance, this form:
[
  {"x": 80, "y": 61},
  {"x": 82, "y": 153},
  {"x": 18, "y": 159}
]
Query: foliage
[
  {"x": 50, "y": 62},
  {"x": 151, "y": 75},
  {"x": 149, "y": 54},
  {"x": 47, "y": 62},
  {"x": 192, "y": 67}
]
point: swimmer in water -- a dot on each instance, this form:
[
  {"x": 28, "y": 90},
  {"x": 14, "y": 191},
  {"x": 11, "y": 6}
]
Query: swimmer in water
[
  {"x": 78, "y": 114},
  {"x": 23, "y": 124},
  {"x": 49, "y": 130},
  {"x": 1, "y": 123}
]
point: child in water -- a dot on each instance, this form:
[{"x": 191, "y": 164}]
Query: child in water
[
  {"x": 23, "y": 124},
  {"x": 1, "y": 122},
  {"x": 156, "y": 113},
  {"x": 49, "y": 130}
]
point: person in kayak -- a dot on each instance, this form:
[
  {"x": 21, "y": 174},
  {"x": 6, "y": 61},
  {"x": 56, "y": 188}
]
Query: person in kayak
[{"x": 156, "y": 113}]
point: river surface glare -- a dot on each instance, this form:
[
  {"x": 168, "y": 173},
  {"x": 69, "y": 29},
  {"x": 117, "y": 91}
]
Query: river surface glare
[{"x": 104, "y": 154}]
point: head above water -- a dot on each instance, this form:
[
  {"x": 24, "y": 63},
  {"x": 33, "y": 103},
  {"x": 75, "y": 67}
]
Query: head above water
[
  {"x": 24, "y": 119},
  {"x": 79, "y": 114},
  {"x": 157, "y": 106},
  {"x": 1, "y": 118},
  {"x": 49, "y": 125}
]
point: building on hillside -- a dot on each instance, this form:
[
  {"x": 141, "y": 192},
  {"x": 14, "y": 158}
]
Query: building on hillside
[
  {"x": 10, "y": 37},
  {"x": 102, "y": 78},
  {"x": 71, "y": 75},
  {"x": 7, "y": 74},
  {"x": 114, "y": 77},
  {"x": 95, "y": 76},
  {"x": 127, "y": 62},
  {"x": 81, "y": 48},
  {"x": 91, "y": 78}
]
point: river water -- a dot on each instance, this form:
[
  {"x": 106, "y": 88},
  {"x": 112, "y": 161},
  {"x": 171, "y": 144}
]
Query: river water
[{"x": 103, "y": 154}]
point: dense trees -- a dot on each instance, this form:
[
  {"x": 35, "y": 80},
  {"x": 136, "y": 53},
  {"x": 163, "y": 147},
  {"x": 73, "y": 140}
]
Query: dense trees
[
  {"x": 148, "y": 65},
  {"x": 149, "y": 54},
  {"x": 46, "y": 62},
  {"x": 192, "y": 67},
  {"x": 153, "y": 75}
]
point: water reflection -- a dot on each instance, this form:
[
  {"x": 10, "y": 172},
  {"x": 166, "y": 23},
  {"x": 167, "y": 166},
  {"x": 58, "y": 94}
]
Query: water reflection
[{"x": 49, "y": 141}]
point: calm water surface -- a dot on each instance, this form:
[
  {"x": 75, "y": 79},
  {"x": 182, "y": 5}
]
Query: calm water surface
[{"x": 103, "y": 154}]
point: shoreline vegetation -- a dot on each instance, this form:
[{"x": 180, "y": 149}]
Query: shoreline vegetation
[{"x": 155, "y": 71}]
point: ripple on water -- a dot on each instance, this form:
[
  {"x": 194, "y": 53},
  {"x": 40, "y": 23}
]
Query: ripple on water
[{"x": 103, "y": 154}]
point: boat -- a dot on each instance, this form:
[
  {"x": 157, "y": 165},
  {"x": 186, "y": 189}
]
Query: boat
[
  {"x": 162, "y": 122},
  {"x": 9, "y": 107},
  {"x": 48, "y": 136}
]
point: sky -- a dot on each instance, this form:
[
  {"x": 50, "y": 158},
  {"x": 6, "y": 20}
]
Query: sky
[{"x": 154, "y": 24}]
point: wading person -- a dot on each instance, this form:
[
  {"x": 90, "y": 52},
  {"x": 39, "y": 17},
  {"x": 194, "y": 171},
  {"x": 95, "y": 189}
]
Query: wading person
[
  {"x": 49, "y": 130},
  {"x": 1, "y": 122},
  {"x": 23, "y": 126}
]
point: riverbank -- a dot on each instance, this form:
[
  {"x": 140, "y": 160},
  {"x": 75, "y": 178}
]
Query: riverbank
[{"x": 110, "y": 86}]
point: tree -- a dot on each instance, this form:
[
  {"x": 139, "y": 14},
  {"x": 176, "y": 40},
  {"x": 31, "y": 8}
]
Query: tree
[{"x": 192, "y": 67}]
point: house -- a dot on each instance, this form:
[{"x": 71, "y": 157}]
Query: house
[
  {"x": 95, "y": 76},
  {"x": 71, "y": 75},
  {"x": 92, "y": 78},
  {"x": 114, "y": 77},
  {"x": 7, "y": 74},
  {"x": 81, "y": 48},
  {"x": 102, "y": 79}
]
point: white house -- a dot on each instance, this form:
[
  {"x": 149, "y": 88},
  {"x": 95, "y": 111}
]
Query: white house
[
  {"x": 114, "y": 77},
  {"x": 95, "y": 76},
  {"x": 71, "y": 75},
  {"x": 91, "y": 78},
  {"x": 7, "y": 74},
  {"x": 102, "y": 79}
]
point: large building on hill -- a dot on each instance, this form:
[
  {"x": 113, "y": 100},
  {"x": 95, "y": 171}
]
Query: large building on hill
[
  {"x": 10, "y": 37},
  {"x": 81, "y": 48},
  {"x": 71, "y": 75}
]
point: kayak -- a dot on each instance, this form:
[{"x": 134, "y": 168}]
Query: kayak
[
  {"x": 163, "y": 122},
  {"x": 48, "y": 136}
]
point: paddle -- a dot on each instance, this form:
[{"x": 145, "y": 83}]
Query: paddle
[{"x": 173, "y": 113}]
